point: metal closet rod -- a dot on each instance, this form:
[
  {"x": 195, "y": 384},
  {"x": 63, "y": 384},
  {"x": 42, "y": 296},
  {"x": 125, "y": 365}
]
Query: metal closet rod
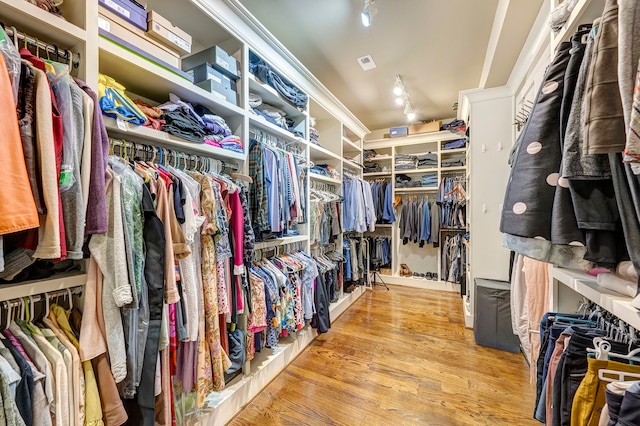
[
  {"x": 166, "y": 155},
  {"x": 63, "y": 54}
]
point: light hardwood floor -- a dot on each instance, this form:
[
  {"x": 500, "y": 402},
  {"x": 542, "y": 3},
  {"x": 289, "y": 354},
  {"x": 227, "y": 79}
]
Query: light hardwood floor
[{"x": 399, "y": 357}]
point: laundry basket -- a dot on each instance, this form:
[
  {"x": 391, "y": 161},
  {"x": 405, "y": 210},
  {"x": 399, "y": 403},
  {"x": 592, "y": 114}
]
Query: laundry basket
[{"x": 492, "y": 315}]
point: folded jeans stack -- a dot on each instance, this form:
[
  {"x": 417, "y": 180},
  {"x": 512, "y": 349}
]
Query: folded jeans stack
[
  {"x": 427, "y": 160},
  {"x": 430, "y": 180},
  {"x": 405, "y": 162},
  {"x": 263, "y": 71},
  {"x": 372, "y": 168},
  {"x": 458, "y": 143},
  {"x": 451, "y": 163},
  {"x": 314, "y": 136}
]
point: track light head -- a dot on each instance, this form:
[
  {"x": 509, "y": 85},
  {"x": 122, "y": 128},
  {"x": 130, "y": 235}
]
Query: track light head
[{"x": 368, "y": 12}]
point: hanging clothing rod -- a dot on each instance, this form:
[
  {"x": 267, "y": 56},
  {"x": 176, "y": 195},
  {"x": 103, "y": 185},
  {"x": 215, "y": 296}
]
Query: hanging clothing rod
[
  {"x": 64, "y": 54},
  {"x": 165, "y": 155}
]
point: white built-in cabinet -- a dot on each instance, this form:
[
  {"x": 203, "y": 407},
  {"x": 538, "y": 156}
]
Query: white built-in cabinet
[{"x": 418, "y": 259}]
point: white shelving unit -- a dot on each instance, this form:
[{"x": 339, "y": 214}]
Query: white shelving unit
[
  {"x": 568, "y": 287},
  {"x": 419, "y": 259},
  {"x": 210, "y": 22}
]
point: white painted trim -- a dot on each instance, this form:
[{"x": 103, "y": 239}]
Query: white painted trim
[
  {"x": 420, "y": 283},
  {"x": 494, "y": 39},
  {"x": 537, "y": 41}
]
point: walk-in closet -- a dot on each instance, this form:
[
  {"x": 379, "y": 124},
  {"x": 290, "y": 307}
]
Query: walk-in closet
[{"x": 359, "y": 212}]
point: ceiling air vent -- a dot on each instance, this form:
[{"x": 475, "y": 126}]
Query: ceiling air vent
[{"x": 366, "y": 62}]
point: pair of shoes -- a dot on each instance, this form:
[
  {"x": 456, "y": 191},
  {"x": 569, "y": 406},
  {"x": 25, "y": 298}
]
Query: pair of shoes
[
  {"x": 431, "y": 276},
  {"x": 404, "y": 270}
]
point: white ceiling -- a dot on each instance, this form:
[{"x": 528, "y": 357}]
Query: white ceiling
[{"x": 438, "y": 47}]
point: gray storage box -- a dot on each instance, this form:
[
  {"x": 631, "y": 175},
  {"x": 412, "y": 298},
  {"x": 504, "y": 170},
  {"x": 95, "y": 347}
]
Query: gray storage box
[
  {"x": 217, "y": 58},
  {"x": 492, "y": 315}
]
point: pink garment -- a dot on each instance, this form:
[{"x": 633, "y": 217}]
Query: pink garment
[
  {"x": 16, "y": 344},
  {"x": 237, "y": 225},
  {"x": 536, "y": 275},
  {"x": 551, "y": 373}
]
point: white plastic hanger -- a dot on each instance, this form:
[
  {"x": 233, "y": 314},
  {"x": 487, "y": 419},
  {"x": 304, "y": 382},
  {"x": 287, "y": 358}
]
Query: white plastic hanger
[{"x": 616, "y": 376}]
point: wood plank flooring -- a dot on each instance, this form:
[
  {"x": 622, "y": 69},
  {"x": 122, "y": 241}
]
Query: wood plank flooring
[{"x": 399, "y": 357}]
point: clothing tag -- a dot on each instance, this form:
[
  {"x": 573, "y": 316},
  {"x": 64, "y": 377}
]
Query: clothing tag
[
  {"x": 104, "y": 24},
  {"x": 65, "y": 178},
  {"x": 116, "y": 7},
  {"x": 121, "y": 124}
]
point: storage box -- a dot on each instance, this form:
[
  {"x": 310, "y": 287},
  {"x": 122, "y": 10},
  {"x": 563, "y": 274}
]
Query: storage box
[
  {"x": 214, "y": 81},
  {"x": 166, "y": 33},
  {"x": 212, "y": 86},
  {"x": 217, "y": 57},
  {"x": 130, "y": 11},
  {"x": 492, "y": 315},
  {"x": 398, "y": 131},
  {"x": 432, "y": 126},
  {"x": 136, "y": 39}
]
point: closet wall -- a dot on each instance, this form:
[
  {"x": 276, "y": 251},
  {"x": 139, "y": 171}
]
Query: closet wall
[
  {"x": 227, "y": 24},
  {"x": 429, "y": 258}
]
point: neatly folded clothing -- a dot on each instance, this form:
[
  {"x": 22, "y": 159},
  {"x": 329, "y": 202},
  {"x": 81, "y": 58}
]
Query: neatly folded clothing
[
  {"x": 458, "y": 143},
  {"x": 451, "y": 163},
  {"x": 372, "y": 168}
]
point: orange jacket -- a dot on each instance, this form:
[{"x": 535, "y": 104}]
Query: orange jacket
[{"x": 17, "y": 207}]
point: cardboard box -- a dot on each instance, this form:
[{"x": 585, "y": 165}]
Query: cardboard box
[
  {"x": 166, "y": 33},
  {"x": 398, "y": 131},
  {"x": 432, "y": 126},
  {"x": 136, "y": 41},
  {"x": 131, "y": 12},
  {"x": 217, "y": 57}
]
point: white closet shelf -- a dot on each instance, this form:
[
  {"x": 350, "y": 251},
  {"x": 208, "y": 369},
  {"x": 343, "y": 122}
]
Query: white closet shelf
[
  {"x": 351, "y": 164},
  {"x": 262, "y": 124},
  {"x": 318, "y": 153},
  {"x": 156, "y": 137},
  {"x": 376, "y": 174},
  {"x": 453, "y": 169},
  {"x": 144, "y": 77},
  {"x": 40, "y": 23},
  {"x": 31, "y": 288},
  {"x": 418, "y": 189},
  {"x": 270, "y": 96},
  {"x": 584, "y": 12},
  {"x": 453, "y": 151},
  {"x": 586, "y": 285},
  {"x": 326, "y": 179},
  {"x": 416, "y": 171},
  {"x": 422, "y": 138},
  {"x": 281, "y": 241},
  {"x": 351, "y": 145}
]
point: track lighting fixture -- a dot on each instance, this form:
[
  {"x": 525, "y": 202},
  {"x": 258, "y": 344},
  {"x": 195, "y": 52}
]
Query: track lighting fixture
[
  {"x": 398, "y": 87},
  {"x": 368, "y": 12},
  {"x": 402, "y": 98}
]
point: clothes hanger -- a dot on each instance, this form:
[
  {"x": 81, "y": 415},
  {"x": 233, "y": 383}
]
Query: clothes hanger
[{"x": 607, "y": 375}]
